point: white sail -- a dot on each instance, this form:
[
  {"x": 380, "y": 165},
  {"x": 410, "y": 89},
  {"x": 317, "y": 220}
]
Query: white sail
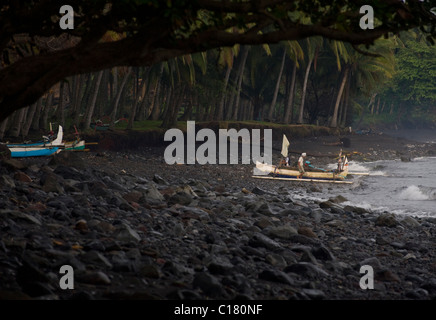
[{"x": 285, "y": 145}]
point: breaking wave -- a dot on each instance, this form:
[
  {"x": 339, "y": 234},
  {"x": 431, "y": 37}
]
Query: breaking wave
[{"x": 418, "y": 193}]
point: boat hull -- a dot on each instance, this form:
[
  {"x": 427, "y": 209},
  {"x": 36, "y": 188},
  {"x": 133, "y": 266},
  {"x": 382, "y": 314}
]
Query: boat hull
[
  {"x": 36, "y": 149},
  {"x": 20, "y": 152},
  {"x": 290, "y": 173},
  {"x": 75, "y": 146}
]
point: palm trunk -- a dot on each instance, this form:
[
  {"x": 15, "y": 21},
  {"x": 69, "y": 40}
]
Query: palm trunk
[
  {"x": 86, "y": 83},
  {"x": 103, "y": 101},
  {"x": 232, "y": 102},
  {"x": 61, "y": 112},
  {"x": 155, "y": 108},
  {"x": 220, "y": 112},
  {"x": 46, "y": 113},
  {"x": 75, "y": 91},
  {"x": 18, "y": 123},
  {"x": 3, "y": 126},
  {"x": 290, "y": 103},
  {"x": 37, "y": 116},
  {"x": 170, "y": 105},
  {"x": 383, "y": 107},
  {"x": 276, "y": 90},
  {"x": 241, "y": 76},
  {"x": 118, "y": 97},
  {"x": 139, "y": 94},
  {"x": 91, "y": 107},
  {"x": 346, "y": 104},
  {"x": 334, "y": 122},
  {"x": 143, "y": 105},
  {"x": 303, "y": 94},
  {"x": 29, "y": 120},
  {"x": 114, "y": 83}
]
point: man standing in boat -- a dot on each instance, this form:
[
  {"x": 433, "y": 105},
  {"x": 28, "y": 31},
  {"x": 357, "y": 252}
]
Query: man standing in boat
[{"x": 301, "y": 165}]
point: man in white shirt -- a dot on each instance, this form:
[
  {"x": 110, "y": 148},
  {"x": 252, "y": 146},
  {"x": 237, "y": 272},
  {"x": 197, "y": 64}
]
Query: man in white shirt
[{"x": 301, "y": 165}]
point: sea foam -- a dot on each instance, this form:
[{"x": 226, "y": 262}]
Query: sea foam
[{"x": 418, "y": 193}]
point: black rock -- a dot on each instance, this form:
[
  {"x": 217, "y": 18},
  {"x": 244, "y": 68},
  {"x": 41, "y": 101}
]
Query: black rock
[
  {"x": 208, "y": 284},
  {"x": 322, "y": 253},
  {"x": 180, "y": 198},
  {"x": 276, "y": 276},
  {"x": 306, "y": 269}
]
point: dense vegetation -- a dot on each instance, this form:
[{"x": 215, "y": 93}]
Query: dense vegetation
[{"x": 214, "y": 64}]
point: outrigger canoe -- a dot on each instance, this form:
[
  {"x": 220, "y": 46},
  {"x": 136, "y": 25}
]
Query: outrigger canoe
[
  {"x": 37, "y": 149},
  {"x": 269, "y": 171},
  {"x": 283, "y": 172}
]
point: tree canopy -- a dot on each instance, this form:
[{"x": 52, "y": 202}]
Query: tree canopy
[{"x": 37, "y": 53}]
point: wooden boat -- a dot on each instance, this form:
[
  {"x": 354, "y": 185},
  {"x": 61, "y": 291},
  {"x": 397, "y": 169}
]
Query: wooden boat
[
  {"x": 283, "y": 172},
  {"x": 38, "y": 149},
  {"x": 311, "y": 174}
]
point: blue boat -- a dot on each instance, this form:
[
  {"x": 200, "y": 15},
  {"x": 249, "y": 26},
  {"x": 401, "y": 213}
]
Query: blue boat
[{"x": 40, "y": 149}]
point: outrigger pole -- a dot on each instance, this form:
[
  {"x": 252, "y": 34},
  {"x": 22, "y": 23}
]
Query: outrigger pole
[{"x": 303, "y": 179}]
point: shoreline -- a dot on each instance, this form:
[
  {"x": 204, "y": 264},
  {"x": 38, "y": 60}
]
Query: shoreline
[{"x": 133, "y": 227}]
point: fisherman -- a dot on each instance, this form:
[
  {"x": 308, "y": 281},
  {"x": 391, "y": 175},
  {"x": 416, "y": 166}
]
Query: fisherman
[
  {"x": 340, "y": 165},
  {"x": 301, "y": 165}
]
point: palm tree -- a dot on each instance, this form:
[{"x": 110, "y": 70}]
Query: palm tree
[{"x": 369, "y": 74}]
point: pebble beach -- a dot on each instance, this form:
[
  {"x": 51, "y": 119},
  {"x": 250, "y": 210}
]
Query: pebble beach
[{"x": 133, "y": 227}]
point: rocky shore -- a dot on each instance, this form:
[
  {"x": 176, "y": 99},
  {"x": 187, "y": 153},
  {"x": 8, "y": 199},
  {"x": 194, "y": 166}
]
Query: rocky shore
[{"x": 133, "y": 227}]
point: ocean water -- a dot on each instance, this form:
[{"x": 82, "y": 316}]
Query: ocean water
[{"x": 393, "y": 186}]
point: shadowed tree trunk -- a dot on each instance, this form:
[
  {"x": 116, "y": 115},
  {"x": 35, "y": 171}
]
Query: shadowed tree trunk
[
  {"x": 60, "y": 115},
  {"x": 303, "y": 94},
  {"x": 46, "y": 113},
  {"x": 35, "y": 124},
  {"x": 276, "y": 90},
  {"x": 155, "y": 107},
  {"x": 171, "y": 104},
  {"x": 118, "y": 97},
  {"x": 91, "y": 107},
  {"x": 241, "y": 76},
  {"x": 86, "y": 83},
  {"x": 114, "y": 83},
  {"x": 232, "y": 101},
  {"x": 290, "y": 102},
  {"x": 346, "y": 104},
  {"x": 102, "y": 103},
  {"x": 75, "y": 91},
  {"x": 220, "y": 111},
  {"x": 29, "y": 119},
  {"x": 18, "y": 122},
  {"x": 3, "y": 126},
  {"x": 334, "y": 122},
  {"x": 142, "y": 105},
  {"x": 140, "y": 94}
]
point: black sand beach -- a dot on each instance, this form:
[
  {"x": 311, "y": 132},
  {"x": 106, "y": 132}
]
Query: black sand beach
[{"x": 133, "y": 227}]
